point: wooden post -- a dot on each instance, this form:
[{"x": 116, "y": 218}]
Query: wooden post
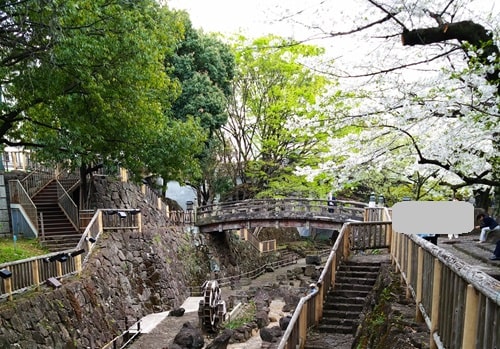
[
  {"x": 143, "y": 188},
  {"x": 139, "y": 221},
  {"x": 396, "y": 251},
  {"x": 99, "y": 222},
  {"x": 389, "y": 237},
  {"x": 470, "y": 318},
  {"x": 408, "y": 269},
  {"x": 123, "y": 175},
  {"x": 303, "y": 326},
  {"x": 78, "y": 264},
  {"x": 59, "y": 269},
  {"x": 7, "y": 285},
  {"x": 36, "y": 274},
  {"x": 318, "y": 314},
  {"x": 334, "y": 270},
  {"x": 436, "y": 290},
  {"x": 419, "y": 316},
  {"x": 347, "y": 236}
]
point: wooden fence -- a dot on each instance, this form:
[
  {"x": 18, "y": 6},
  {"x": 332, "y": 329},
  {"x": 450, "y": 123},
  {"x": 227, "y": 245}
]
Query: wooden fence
[
  {"x": 459, "y": 304},
  {"x": 261, "y": 246},
  {"x": 50, "y": 269}
]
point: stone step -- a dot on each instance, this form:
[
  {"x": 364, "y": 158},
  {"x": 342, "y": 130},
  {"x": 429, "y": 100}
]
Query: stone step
[
  {"x": 349, "y": 313},
  {"x": 336, "y": 329}
]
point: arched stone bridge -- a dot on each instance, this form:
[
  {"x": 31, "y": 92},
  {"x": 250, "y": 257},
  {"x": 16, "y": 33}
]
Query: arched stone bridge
[{"x": 279, "y": 213}]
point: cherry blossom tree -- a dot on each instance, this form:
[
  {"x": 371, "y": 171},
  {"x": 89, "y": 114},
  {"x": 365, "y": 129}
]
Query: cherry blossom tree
[{"x": 426, "y": 75}]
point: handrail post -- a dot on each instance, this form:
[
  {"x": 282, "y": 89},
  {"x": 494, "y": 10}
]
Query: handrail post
[
  {"x": 418, "y": 298},
  {"x": 7, "y": 284},
  {"x": 408, "y": 270},
  {"x": 303, "y": 326},
  {"x": 436, "y": 295},
  {"x": 59, "y": 269},
  {"x": 318, "y": 314},
  {"x": 471, "y": 317},
  {"x": 334, "y": 270},
  {"x": 36, "y": 274},
  {"x": 78, "y": 264}
]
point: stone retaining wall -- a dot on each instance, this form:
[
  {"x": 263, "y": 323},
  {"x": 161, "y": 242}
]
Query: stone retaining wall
[{"x": 128, "y": 276}]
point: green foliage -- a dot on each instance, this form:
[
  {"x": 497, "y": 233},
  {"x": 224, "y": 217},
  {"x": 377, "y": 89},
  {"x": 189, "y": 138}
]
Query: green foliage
[
  {"x": 204, "y": 66},
  {"x": 281, "y": 103},
  {"x": 246, "y": 316},
  {"x": 87, "y": 82}
]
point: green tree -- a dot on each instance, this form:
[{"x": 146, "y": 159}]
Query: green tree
[
  {"x": 85, "y": 81},
  {"x": 204, "y": 67},
  {"x": 278, "y": 118}
]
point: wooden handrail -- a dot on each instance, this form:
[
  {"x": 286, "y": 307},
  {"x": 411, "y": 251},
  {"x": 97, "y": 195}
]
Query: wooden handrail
[
  {"x": 32, "y": 272},
  {"x": 460, "y": 301}
]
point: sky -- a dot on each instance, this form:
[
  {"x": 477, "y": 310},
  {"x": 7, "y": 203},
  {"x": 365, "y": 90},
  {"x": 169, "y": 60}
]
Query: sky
[
  {"x": 255, "y": 18},
  {"x": 229, "y": 16},
  {"x": 259, "y": 17}
]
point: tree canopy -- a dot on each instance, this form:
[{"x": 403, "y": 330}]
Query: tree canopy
[
  {"x": 278, "y": 115},
  {"x": 426, "y": 79},
  {"x": 86, "y": 81}
]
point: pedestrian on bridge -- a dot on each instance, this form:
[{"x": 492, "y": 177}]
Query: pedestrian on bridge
[
  {"x": 487, "y": 225},
  {"x": 331, "y": 202}
]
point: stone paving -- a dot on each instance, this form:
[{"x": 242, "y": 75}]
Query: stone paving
[{"x": 467, "y": 248}]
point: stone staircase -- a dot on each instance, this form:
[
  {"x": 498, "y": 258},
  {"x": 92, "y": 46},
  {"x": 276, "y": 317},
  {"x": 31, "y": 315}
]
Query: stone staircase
[
  {"x": 344, "y": 305},
  {"x": 58, "y": 232}
]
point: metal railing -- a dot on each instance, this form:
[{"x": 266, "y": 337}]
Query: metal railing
[
  {"x": 33, "y": 272},
  {"x": 37, "y": 180},
  {"x": 18, "y": 195},
  {"x": 68, "y": 206}
]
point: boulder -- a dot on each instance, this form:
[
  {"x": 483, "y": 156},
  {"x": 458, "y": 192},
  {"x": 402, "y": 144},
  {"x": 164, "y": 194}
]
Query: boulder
[
  {"x": 284, "y": 321},
  {"x": 177, "y": 312},
  {"x": 270, "y": 334},
  {"x": 189, "y": 337},
  {"x": 221, "y": 341}
]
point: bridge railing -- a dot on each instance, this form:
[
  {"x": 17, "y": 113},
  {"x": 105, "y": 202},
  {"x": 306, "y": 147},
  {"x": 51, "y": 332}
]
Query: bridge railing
[
  {"x": 22, "y": 275},
  {"x": 313, "y": 206}
]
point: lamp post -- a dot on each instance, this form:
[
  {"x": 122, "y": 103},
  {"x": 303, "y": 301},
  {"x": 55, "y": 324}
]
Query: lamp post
[
  {"x": 381, "y": 200},
  {"x": 372, "y": 202}
]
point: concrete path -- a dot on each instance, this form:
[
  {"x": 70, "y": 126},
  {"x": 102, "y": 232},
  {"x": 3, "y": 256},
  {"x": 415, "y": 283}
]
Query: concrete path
[{"x": 148, "y": 323}]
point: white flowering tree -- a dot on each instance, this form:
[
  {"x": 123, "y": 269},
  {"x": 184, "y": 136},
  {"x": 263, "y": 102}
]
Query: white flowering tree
[{"x": 426, "y": 75}]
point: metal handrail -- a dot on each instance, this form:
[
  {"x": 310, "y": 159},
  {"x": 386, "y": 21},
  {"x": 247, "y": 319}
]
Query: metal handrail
[
  {"x": 37, "y": 180},
  {"x": 18, "y": 195},
  {"x": 67, "y": 205}
]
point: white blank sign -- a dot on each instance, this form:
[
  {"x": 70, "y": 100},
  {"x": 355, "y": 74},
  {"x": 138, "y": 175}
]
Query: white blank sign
[{"x": 433, "y": 217}]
